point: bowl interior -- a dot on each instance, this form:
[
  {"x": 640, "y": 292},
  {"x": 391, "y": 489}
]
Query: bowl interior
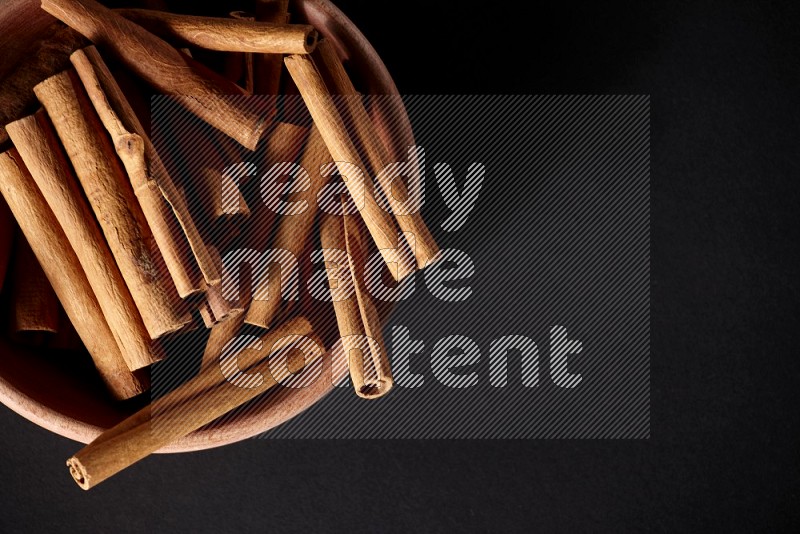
[{"x": 58, "y": 390}]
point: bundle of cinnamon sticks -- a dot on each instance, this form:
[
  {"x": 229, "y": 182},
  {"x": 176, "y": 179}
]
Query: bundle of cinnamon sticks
[{"x": 109, "y": 238}]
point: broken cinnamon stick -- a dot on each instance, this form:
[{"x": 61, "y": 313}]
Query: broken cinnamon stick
[
  {"x": 114, "y": 203},
  {"x": 66, "y": 274},
  {"x": 358, "y": 320},
  {"x": 380, "y": 224},
  {"x": 204, "y": 93},
  {"x": 44, "y": 157},
  {"x": 409, "y": 221},
  {"x": 193, "y": 405},
  {"x": 226, "y": 35},
  {"x": 173, "y": 228},
  {"x": 34, "y": 303}
]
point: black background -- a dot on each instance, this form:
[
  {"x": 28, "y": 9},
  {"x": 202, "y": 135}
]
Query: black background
[{"x": 723, "y": 452}]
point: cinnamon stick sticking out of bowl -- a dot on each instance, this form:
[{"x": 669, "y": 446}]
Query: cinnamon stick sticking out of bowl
[
  {"x": 165, "y": 68},
  {"x": 43, "y": 155},
  {"x": 148, "y": 175},
  {"x": 332, "y": 70},
  {"x": 359, "y": 324},
  {"x": 111, "y": 196},
  {"x": 6, "y": 240},
  {"x": 66, "y": 274},
  {"x": 292, "y": 234},
  {"x": 380, "y": 224},
  {"x": 34, "y": 303},
  {"x": 226, "y": 35},
  {"x": 196, "y": 403}
]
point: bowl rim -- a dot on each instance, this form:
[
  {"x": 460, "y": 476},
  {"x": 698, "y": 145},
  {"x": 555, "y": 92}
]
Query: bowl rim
[{"x": 335, "y": 26}]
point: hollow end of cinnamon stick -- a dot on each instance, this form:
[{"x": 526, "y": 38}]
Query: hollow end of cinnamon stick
[
  {"x": 78, "y": 473},
  {"x": 312, "y": 38},
  {"x": 374, "y": 390}
]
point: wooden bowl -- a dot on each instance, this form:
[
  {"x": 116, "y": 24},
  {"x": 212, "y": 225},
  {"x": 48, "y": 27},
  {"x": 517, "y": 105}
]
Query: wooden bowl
[{"x": 72, "y": 402}]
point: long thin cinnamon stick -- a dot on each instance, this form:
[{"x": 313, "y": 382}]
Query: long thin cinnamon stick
[
  {"x": 226, "y": 35},
  {"x": 358, "y": 320},
  {"x": 380, "y": 224},
  {"x": 39, "y": 147},
  {"x": 205, "y": 93},
  {"x": 114, "y": 203},
  {"x": 173, "y": 228},
  {"x": 192, "y": 405},
  {"x": 293, "y": 231},
  {"x": 34, "y": 303},
  {"x": 66, "y": 274},
  {"x": 339, "y": 82}
]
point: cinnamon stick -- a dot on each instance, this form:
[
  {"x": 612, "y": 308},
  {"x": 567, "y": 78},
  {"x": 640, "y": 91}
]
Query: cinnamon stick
[
  {"x": 359, "y": 324},
  {"x": 218, "y": 176},
  {"x": 267, "y": 67},
  {"x": 282, "y": 145},
  {"x": 205, "y": 93},
  {"x": 114, "y": 203},
  {"x": 425, "y": 247},
  {"x": 219, "y": 336},
  {"x": 65, "y": 273},
  {"x": 215, "y": 309},
  {"x": 34, "y": 303},
  {"x": 163, "y": 204},
  {"x": 43, "y": 155},
  {"x": 380, "y": 224},
  {"x": 226, "y": 35},
  {"x": 293, "y": 231},
  {"x": 191, "y": 406}
]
